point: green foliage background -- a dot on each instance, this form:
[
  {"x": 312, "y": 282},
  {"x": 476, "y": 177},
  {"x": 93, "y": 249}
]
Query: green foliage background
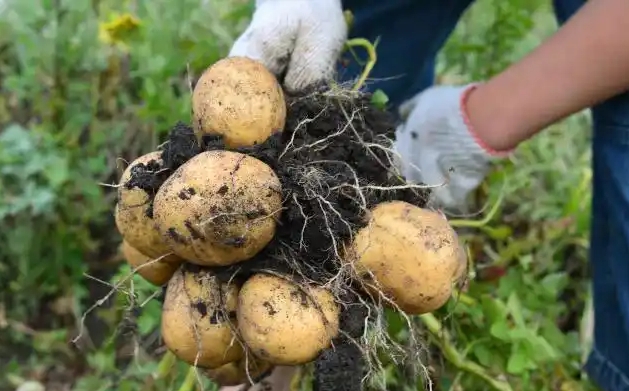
[{"x": 88, "y": 85}]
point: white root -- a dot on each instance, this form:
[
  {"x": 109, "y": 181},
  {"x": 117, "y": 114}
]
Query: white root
[{"x": 315, "y": 178}]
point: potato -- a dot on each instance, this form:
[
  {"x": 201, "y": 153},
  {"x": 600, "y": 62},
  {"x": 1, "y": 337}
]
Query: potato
[
  {"x": 132, "y": 217},
  {"x": 219, "y": 208},
  {"x": 196, "y": 317},
  {"x": 158, "y": 272},
  {"x": 235, "y": 373},
  {"x": 284, "y": 325},
  {"x": 241, "y": 100},
  {"x": 413, "y": 254}
]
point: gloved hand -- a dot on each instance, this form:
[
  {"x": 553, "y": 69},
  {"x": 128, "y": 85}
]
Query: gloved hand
[
  {"x": 303, "y": 38},
  {"x": 437, "y": 145}
]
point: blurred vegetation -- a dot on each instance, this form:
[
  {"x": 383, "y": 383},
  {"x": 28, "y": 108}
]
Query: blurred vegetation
[{"x": 88, "y": 85}]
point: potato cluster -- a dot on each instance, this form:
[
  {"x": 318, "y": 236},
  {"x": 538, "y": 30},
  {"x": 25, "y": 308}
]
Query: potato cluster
[{"x": 221, "y": 208}]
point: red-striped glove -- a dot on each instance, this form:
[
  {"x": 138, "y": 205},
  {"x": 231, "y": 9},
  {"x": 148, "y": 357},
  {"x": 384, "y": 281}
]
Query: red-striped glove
[{"x": 437, "y": 145}]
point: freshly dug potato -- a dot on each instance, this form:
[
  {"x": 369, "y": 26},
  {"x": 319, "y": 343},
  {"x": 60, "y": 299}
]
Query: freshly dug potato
[
  {"x": 218, "y": 208},
  {"x": 283, "y": 324},
  {"x": 241, "y": 100},
  {"x": 132, "y": 212},
  {"x": 196, "y": 318},
  {"x": 235, "y": 373},
  {"x": 413, "y": 254},
  {"x": 158, "y": 272}
]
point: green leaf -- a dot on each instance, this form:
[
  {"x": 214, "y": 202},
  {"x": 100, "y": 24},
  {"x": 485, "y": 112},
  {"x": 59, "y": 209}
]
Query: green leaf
[
  {"x": 493, "y": 309},
  {"x": 379, "y": 99},
  {"x": 150, "y": 318},
  {"x": 519, "y": 361},
  {"x": 500, "y": 232},
  {"x": 515, "y": 309},
  {"x": 543, "y": 350},
  {"x": 396, "y": 323},
  {"x": 500, "y": 330},
  {"x": 484, "y": 354},
  {"x": 554, "y": 283}
]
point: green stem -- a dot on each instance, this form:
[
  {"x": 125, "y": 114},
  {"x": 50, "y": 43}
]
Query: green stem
[
  {"x": 349, "y": 19},
  {"x": 189, "y": 381},
  {"x": 443, "y": 340},
  {"x": 371, "y": 52},
  {"x": 164, "y": 366},
  {"x": 479, "y": 223}
]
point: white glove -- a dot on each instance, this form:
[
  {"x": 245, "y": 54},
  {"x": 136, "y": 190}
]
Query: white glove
[
  {"x": 302, "y": 37},
  {"x": 436, "y": 146}
]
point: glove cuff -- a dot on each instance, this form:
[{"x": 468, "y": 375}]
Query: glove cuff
[{"x": 468, "y": 124}]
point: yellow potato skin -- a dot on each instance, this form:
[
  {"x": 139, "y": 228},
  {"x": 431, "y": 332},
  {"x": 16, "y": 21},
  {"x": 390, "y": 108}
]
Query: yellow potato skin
[
  {"x": 238, "y": 98},
  {"x": 130, "y": 215},
  {"x": 235, "y": 373},
  {"x": 157, "y": 273},
  {"x": 412, "y": 253},
  {"x": 218, "y": 208},
  {"x": 193, "y": 321},
  {"x": 281, "y": 324}
]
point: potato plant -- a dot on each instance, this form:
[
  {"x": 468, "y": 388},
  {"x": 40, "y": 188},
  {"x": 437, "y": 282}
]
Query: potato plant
[{"x": 287, "y": 210}]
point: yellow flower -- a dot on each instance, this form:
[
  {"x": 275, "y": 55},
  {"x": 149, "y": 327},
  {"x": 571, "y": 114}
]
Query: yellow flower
[{"x": 118, "y": 29}]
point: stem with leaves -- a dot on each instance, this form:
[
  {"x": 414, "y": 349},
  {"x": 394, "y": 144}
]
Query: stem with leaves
[
  {"x": 189, "y": 381},
  {"x": 443, "y": 340}
]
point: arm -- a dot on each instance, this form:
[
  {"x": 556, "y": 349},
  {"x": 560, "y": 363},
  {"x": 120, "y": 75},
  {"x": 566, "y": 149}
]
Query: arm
[{"x": 585, "y": 62}]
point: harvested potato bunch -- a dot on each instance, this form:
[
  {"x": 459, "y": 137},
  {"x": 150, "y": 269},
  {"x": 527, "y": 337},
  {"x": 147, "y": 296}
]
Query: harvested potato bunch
[
  {"x": 241, "y": 100},
  {"x": 284, "y": 324},
  {"x": 236, "y": 372},
  {"x": 156, "y": 271},
  {"x": 196, "y": 318},
  {"x": 218, "y": 208},
  {"x": 132, "y": 211},
  {"x": 411, "y": 254}
]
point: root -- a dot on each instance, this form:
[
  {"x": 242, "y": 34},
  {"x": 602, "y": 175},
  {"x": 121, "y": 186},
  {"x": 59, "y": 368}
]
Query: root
[
  {"x": 115, "y": 288},
  {"x": 335, "y": 161}
]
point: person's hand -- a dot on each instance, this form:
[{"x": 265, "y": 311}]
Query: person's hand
[
  {"x": 436, "y": 145},
  {"x": 302, "y": 38}
]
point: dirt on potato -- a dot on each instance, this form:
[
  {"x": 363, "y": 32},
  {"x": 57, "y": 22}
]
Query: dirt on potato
[{"x": 334, "y": 162}]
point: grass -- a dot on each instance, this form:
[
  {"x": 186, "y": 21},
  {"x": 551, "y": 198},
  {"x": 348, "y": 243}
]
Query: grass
[{"x": 85, "y": 85}]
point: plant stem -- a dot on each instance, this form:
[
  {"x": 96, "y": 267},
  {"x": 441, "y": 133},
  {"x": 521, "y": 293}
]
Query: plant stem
[
  {"x": 349, "y": 19},
  {"x": 444, "y": 341},
  {"x": 188, "y": 383},
  {"x": 164, "y": 366},
  {"x": 295, "y": 383},
  {"x": 479, "y": 223},
  {"x": 371, "y": 52}
]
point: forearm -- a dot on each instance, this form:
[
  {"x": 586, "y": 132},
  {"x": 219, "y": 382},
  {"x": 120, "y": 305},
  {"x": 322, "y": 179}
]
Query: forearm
[{"x": 585, "y": 62}]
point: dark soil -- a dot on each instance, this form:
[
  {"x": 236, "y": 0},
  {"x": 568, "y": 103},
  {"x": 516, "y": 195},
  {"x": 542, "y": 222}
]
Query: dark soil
[
  {"x": 339, "y": 369},
  {"x": 318, "y": 213}
]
